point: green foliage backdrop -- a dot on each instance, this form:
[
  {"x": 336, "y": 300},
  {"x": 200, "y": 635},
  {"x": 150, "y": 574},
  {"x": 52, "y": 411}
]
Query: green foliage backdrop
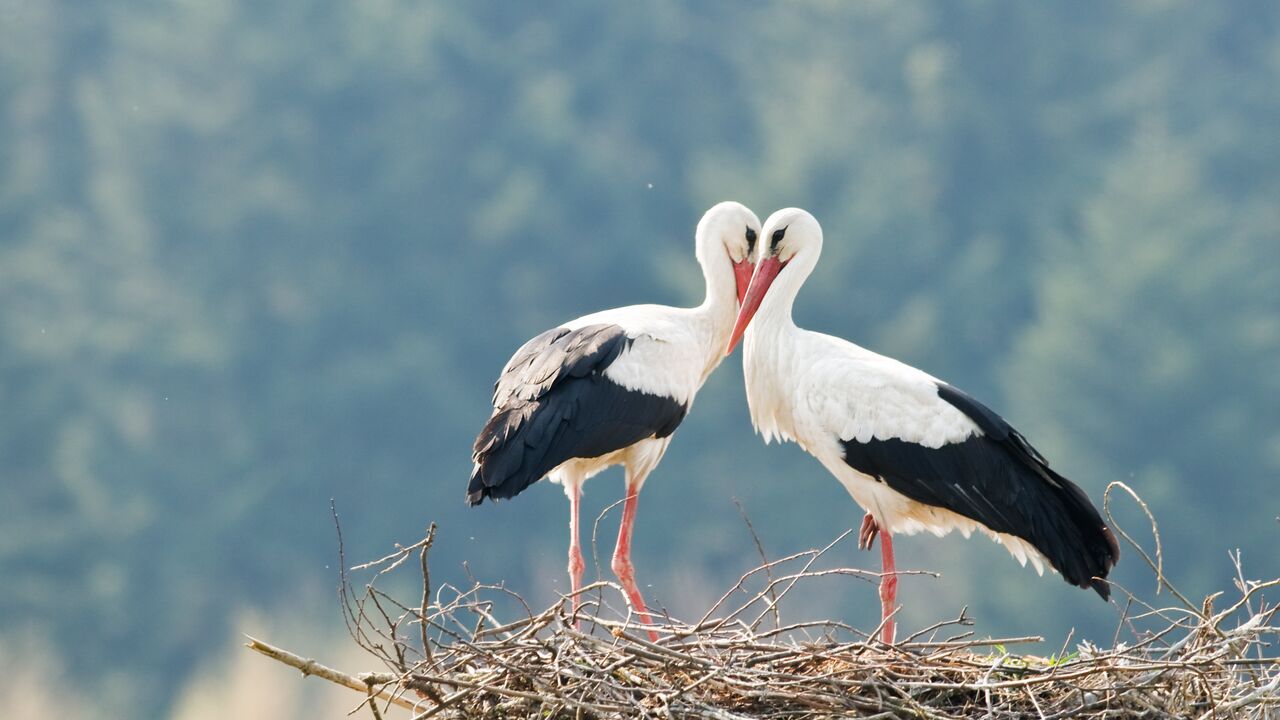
[{"x": 256, "y": 256}]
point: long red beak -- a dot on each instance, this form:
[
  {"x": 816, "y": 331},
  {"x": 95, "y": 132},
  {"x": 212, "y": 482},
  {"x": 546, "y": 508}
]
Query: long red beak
[
  {"x": 742, "y": 276},
  {"x": 766, "y": 271}
]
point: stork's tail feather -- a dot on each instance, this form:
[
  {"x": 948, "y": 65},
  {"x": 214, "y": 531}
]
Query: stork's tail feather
[
  {"x": 1085, "y": 550},
  {"x": 507, "y": 458},
  {"x": 476, "y": 491}
]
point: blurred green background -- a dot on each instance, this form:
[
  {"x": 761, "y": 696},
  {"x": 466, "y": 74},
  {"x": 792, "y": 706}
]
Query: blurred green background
[{"x": 254, "y": 256}]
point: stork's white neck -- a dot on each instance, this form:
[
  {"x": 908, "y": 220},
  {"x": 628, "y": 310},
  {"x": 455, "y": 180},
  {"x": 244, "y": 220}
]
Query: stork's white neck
[
  {"x": 719, "y": 307},
  {"x": 775, "y": 309},
  {"x": 767, "y": 349},
  {"x": 717, "y": 274}
]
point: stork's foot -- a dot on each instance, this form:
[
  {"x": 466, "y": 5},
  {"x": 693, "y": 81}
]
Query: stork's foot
[
  {"x": 867, "y": 533},
  {"x": 627, "y": 576}
]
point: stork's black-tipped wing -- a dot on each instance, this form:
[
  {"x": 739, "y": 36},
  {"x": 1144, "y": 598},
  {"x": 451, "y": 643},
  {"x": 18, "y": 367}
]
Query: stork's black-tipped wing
[
  {"x": 553, "y": 402},
  {"x": 1001, "y": 481}
]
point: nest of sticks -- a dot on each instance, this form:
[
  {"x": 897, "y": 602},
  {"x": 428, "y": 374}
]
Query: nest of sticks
[{"x": 445, "y": 654}]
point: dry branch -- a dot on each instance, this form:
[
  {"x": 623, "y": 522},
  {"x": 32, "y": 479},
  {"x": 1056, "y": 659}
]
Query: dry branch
[{"x": 371, "y": 685}]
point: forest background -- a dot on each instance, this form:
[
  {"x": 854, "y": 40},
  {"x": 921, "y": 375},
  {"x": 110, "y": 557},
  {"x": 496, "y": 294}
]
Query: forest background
[{"x": 255, "y": 256}]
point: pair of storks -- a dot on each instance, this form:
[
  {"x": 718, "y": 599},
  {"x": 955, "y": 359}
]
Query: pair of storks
[{"x": 916, "y": 453}]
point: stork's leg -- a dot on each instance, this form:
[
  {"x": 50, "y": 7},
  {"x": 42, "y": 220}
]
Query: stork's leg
[
  {"x": 888, "y": 586},
  {"x": 622, "y": 557},
  {"x": 576, "y": 565}
]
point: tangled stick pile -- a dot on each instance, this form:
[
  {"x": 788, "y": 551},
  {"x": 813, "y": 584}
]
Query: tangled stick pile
[{"x": 446, "y": 655}]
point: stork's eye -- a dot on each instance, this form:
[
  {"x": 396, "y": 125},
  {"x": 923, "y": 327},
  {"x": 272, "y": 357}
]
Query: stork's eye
[
  {"x": 777, "y": 236},
  {"x": 751, "y": 240}
]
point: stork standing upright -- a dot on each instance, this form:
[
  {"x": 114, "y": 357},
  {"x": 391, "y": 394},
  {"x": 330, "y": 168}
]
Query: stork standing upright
[
  {"x": 610, "y": 388},
  {"x": 914, "y": 452}
]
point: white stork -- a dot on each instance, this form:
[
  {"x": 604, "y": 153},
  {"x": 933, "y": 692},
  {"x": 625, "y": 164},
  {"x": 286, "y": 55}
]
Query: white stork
[
  {"x": 914, "y": 452},
  {"x": 610, "y": 388}
]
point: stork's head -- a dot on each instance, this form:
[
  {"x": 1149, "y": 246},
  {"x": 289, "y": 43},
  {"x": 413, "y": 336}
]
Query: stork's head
[
  {"x": 730, "y": 228},
  {"x": 788, "y": 234}
]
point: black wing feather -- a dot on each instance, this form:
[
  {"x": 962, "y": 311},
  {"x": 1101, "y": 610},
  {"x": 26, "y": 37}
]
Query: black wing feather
[
  {"x": 1001, "y": 481},
  {"x": 553, "y": 403}
]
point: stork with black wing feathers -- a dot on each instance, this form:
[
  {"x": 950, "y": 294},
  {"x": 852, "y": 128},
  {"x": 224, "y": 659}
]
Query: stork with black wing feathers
[
  {"x": 610, "y": 388},
  {"x": 914, "y": 452}
]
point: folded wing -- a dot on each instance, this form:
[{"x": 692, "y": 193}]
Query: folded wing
[{"x": 554, "y": 402}]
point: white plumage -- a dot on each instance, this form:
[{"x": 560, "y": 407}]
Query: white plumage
[
  {"x": 831, "y": 386},
  {"x": 673, "y": 350}
]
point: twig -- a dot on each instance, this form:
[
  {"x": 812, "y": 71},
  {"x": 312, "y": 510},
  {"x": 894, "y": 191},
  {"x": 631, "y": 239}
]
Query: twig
[
  {"x": 426, "y": 593},
  {"x": 311, "y": 667},
  {"x": 1158, "y": 564},
  {"x": 764, "y": 563}
]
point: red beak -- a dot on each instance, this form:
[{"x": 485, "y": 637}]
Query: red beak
[
  {"x": 766, "y": 271},
  {"x": 742, "y": 276}
]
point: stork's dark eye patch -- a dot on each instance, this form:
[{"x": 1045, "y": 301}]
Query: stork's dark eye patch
[
  {"x": 751, "y": 240},
  {"x": 777, "y": 236}
]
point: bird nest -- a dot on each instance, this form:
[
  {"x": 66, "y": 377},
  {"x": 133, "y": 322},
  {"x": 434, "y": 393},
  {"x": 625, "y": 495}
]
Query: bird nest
[{"x": 447, "y": 655}]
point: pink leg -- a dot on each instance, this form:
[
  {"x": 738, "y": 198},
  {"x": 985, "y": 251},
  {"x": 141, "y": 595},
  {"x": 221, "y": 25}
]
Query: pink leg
[
  {"x": 888, "y": 586},
  {"x": 622, "y": 559},
  {"x": 576, "y": 565}
]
